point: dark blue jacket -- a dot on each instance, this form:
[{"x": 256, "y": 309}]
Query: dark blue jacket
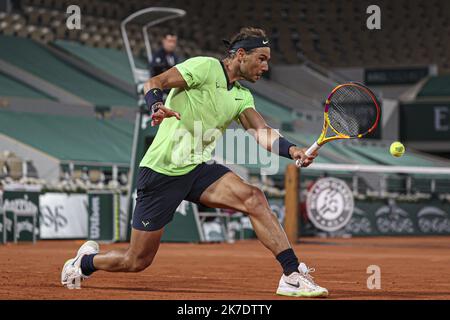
[{"x": 162, "y": 61}]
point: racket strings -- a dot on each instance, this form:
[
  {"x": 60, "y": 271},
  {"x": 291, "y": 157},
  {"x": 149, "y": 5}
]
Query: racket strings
[
  {"x": 343, "y": 122},
  {"x": 352, "y": 110}
]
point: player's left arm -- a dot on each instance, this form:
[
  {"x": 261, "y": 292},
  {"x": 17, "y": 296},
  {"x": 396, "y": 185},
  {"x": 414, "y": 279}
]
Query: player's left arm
[
  {"x": 271, "y": 139},
  {"x": 190, "y": 74}
]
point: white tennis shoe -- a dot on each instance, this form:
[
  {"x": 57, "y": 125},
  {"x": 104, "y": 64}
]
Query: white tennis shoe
[
  {"x": 71, "y": 275},
  {"x": 300, "y": 284}
]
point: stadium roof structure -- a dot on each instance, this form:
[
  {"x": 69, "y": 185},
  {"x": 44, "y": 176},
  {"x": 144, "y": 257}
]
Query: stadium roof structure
[
  {"x": 109, "y": 60},
  {"x": 37, "y": 60},
  {"x": 94, "y": 142},
  {"x": 437, "y": 87},
  {"x": 10, "y": 87}
]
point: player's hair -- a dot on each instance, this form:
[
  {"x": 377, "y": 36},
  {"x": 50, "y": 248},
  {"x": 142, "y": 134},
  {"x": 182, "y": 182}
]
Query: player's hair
[
  {"x": 248, "y": 32},
  {"x": 169, "y": 33},
  {"x": 245, "y": 33}
]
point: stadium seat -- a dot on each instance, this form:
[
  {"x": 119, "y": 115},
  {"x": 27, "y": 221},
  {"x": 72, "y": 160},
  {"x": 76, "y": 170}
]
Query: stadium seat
[
  {"x": 25, "y": 53},
  {"x": 14, "y": 165},
  {"x": 351, "y": 48},
  {"x": 77, "y": 174},
  {"x": 20, "y": 30},
  {"x": 6, "y": 28},
  {"x": 3, "y": 169},
  {"x": 60, "y": 136},
  {"x": 31, "y": 171},
  {"x": 10, "y": 87},
  {"x": 437, "y": 86},
  {"x": 95, "y": 176}
]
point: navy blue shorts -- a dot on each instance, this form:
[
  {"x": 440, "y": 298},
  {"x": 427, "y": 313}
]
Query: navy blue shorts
[{"x": 159, "y": 195}]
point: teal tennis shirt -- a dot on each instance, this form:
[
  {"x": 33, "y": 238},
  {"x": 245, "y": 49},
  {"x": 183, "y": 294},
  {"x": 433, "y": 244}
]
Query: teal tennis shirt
[{"x": 207, "y": 107}]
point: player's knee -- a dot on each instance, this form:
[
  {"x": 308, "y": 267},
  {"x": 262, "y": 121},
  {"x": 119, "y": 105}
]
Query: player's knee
[
  {"x": 136, "y": 264},
  {"x": 255, "y": 202}
]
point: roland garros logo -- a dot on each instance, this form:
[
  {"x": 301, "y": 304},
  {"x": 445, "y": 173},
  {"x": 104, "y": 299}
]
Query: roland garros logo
[{"x": 329, "y": 204}]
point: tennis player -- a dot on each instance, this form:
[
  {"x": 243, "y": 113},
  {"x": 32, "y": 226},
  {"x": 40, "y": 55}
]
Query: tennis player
[{"x": 204, "y": 90}]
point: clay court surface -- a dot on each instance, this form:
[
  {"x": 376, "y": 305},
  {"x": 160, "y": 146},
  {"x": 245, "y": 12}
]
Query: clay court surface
[{"x": 411, "y": 268}]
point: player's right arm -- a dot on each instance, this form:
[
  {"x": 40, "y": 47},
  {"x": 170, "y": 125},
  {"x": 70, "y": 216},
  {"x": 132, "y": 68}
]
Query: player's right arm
[
  {"x": 271, "y": 139},
  {"x": 153, "y": 90}
]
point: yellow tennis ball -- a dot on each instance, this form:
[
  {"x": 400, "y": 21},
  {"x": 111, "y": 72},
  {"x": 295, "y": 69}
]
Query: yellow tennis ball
[{"x": 397, "y": 149}]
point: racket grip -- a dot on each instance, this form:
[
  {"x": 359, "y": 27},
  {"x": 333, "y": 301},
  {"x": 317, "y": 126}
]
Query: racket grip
[{"x": 308, "y": 152}]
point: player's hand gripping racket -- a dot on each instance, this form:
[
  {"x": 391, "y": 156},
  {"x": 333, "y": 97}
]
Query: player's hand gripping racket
[{"x": 351, "y": 111}]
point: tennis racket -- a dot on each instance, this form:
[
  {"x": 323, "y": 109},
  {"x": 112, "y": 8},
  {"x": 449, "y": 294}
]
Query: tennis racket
[{"x": 351, "y": 111}]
